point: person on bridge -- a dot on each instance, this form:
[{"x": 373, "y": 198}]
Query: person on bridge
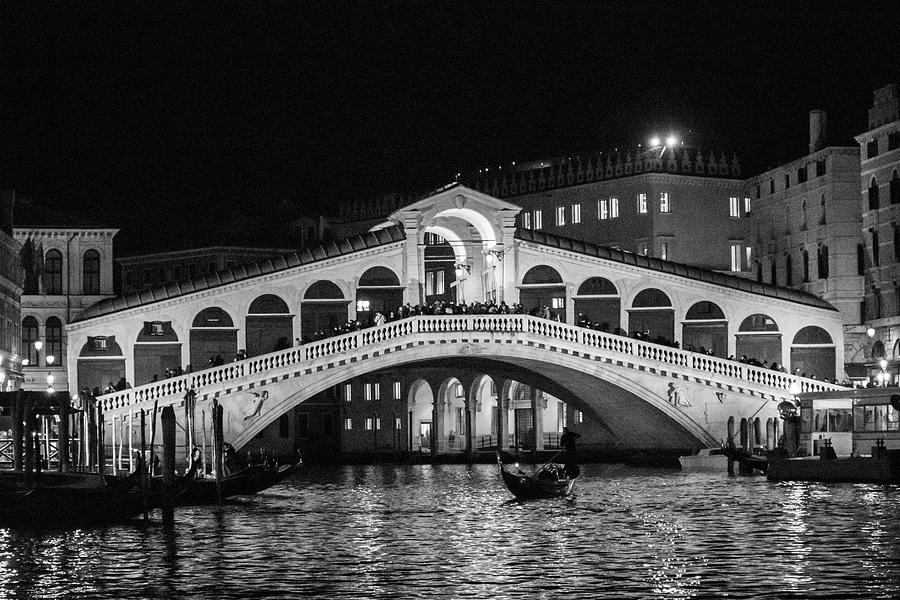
[{"x": 567, "y": 441}]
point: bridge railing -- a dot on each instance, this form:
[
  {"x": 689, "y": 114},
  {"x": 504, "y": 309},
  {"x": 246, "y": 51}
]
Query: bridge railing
[{"x": 217, "y": 378}]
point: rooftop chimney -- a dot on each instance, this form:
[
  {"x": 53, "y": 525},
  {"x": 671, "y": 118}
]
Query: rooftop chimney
[{"x": 817, "y": 123}]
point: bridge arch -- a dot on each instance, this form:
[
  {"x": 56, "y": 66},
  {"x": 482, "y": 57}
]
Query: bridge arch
[
  {"x": 213, "y": 335},
  {"x": 813, "y": 353},
  {"x": 542, "y": 285},
  {"x": 651, "y": 312},
  {"x": 378, "y": 289},
  {"x": 598, "y": 301},
  {"x": 420, "y": 407},
  {"x": 157, "y": 350},
  {"x": 627, "y": 407},
  {"x": 759, "y": 338},
  {"x": 100, "y": 362},
  {"x": 705, "y": 329},
  {"x": 269, "y": 325},
  {"x": 323, "y": 308}
]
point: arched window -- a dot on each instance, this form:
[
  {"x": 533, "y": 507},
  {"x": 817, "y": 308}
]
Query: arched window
[
  {"x": 788, "y": 270},
  {"x": 773, "y": 274},
  {"x": 651, "y": 298},
  {"x": 268, "y": 304},
  {"x": 873, "y": 194},
  {"x": 597, "y": 286},
  {"x": 377, "y": 277},
  {"x": 323, "y": 290},
  {"x": 53, "y": 339},
  {"x": 91, "y": 273},
  {"x": 805, "y": 266},
  {"x": 878, "y": 349},
  {"x": 29, "y": 337},
  {"x": 823, "y": 219},
  {"x": 541, "y": 274},
  {"x": 53, "y": 272},
  {"x": 805, "y": 214}
]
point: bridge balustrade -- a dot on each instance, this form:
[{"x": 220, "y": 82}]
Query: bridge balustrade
[{"x": 218, "y": 378}]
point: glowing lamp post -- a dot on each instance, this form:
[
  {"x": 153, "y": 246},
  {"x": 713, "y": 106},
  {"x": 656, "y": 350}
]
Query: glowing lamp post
[{"x": 884, "y": 377}]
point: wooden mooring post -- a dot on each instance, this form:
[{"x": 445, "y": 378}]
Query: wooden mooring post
[
  {"x": 168, "y": 466},
  {"x": 218, "y": 448}
]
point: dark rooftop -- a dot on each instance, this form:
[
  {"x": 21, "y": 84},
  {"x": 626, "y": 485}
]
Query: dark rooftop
[{"x": 373, "y": 239}]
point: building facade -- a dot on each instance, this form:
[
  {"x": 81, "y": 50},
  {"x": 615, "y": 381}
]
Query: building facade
[
  {"x": 804, "y": 229},
  {"x": 67, "y": 265},
  {"x": 879, "y": 255}
]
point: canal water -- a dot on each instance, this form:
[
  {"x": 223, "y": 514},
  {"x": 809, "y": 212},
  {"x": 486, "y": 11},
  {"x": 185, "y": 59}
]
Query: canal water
[{"x": 451, "y": 531}]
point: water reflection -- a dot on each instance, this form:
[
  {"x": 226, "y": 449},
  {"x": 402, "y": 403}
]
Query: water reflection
[{"x": 452, "y": 531}]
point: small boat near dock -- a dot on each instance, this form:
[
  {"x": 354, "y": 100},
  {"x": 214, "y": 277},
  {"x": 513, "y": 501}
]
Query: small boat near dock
[{"x": 706, "y": 460}]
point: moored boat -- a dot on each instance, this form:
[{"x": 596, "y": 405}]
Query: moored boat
[
  {"x": 706, "y": 459},
  {"x": 748, "y": 461},
  {"x": 548, "y": 481},
  {"x": 244, "y": 481}
]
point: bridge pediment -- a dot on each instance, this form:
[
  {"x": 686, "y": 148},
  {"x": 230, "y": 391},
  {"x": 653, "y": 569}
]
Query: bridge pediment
[{"x": 490, "y": 217}]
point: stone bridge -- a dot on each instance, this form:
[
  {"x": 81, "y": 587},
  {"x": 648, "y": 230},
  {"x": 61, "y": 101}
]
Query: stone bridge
[
  {"x": 640, "y": 394},
  {"x": 459, "y": 382}
]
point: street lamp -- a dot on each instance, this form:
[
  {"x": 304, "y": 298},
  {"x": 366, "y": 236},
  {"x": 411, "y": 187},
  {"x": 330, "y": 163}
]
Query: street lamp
[
  {"x": 37, "y": 355},
  {"x": 883, "y": 377},
  {"x": 50, "y": 379},
  {"x": 462, "y": 270}
]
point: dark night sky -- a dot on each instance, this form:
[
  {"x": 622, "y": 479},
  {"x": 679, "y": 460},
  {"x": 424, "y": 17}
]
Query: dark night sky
[{"x": 172, "y": 122}]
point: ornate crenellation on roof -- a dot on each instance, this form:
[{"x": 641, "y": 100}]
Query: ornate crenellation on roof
[{"x": 579, "y": 170}]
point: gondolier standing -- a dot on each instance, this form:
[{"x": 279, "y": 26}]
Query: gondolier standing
[{"x": 567, "y": 441}]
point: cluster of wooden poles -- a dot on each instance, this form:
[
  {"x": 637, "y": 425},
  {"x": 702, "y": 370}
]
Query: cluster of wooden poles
[{"x": 91, "y": 452}]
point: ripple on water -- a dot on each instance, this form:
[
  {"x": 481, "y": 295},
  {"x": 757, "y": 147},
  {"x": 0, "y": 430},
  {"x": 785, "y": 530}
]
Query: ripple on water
[{"x": 452, "y": 531}]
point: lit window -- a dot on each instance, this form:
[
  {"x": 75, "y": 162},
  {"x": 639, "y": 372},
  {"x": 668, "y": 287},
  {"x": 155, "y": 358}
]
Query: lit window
[
  {"x": 398, "y": 423},
  {"x": 664, "y": 206},
  {"x": 664, "y": 250},
  {"x": 602, "y": 209},
  {"x": 736, "y": 257},
  {"x": 538, "y": 221},
  {"x": 373, "y": 391},
  {"x": 558, "y": 302},
  {"x": 429, "y": 283},
  {"x": 526, "y": 220},
  {"x": 397, "y": 390},
  {"x": 348, "y": 424},
  {"x": 577, "y": 416},
  {"x": 560, "y": 216},
  {"x": 439, "y": 284},
  {"x": 734, "y": 207},
  {"x": 370, "y": 423},
  {"x": 613, "y": 208},
  {"x": 348, "y": 389},
  {"x": 100, "y": 343},
  {"x": 642, "y": 203},
  {"x": 378, "y": 423},
  {"x": 576, "y": 213},
  {"x": 362, "y": 306},
  {"x": 747, "y": 205},
  {"x": 459, "y": 390},
  {"x": 642, "y": 248},
  {"x": 747, "y": 255}
]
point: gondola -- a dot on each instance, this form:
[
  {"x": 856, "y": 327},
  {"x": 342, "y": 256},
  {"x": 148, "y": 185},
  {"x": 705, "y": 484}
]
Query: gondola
[
  {"x": 749, "y": 461},
  {"x": 246, "y": 480},
  {"x": 548, "y": 481}
]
